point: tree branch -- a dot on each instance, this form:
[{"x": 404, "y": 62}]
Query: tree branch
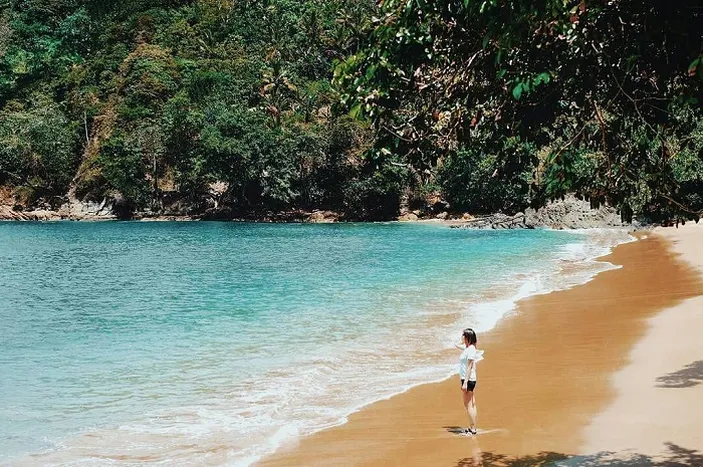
[{"x": 682, "y": 206}]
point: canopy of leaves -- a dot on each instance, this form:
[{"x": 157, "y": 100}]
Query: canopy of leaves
[{"x": 607, "y": 93}]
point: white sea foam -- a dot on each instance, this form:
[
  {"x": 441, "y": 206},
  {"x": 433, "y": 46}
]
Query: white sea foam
[{"x": 573, "y": 264}]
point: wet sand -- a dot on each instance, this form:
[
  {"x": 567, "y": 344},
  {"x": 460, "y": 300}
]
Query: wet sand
[{"x": 548, "y": 372}]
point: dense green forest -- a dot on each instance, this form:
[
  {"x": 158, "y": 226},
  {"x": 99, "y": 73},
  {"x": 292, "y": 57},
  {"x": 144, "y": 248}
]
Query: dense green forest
[{"x": 246, "y": 107}]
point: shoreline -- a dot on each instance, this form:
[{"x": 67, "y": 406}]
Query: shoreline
[
  {"x": 426, "y": 413},
  {"x": 567, "y": 214},
  {"x": 455, "y": 223}
]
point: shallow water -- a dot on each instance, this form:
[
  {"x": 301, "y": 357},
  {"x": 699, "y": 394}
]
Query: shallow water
[{"x": 212, "y": 343}]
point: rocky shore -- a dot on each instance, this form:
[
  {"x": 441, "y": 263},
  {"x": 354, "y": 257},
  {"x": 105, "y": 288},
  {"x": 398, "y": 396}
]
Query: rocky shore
[
  {"x": 83, "y": 210},
  {"x": 569, "y": 213},
  {"x": 105, "y": 211}
]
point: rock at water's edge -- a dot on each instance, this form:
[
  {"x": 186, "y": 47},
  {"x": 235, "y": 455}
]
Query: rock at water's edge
[
  {"x": 321, "y": 217},
  {"x": 408, "y": 217},
  {"x": 570, "y": 213},
  {"x": 573, "y": 213}
]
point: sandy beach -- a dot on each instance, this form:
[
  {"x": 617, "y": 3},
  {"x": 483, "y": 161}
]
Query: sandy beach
[
  {"x": 609, "y": 369},
  {"x": 658, "y": 410}
]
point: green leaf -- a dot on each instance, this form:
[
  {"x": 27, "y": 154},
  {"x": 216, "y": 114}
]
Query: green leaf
[
  {"x": 517, "y": 91},
  {"x": 541, "y": 78},
  {"x": 355, "y": 111}
]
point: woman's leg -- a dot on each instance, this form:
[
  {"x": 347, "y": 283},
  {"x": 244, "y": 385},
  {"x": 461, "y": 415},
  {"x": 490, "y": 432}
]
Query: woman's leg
[
  {"x": 465, "y": 399},
  {"x": 472, "y": 410}
]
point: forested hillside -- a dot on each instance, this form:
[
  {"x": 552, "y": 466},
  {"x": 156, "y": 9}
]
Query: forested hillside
[
  {"x": 246, "y": 107},
  {"x": 156, "y": 101}
]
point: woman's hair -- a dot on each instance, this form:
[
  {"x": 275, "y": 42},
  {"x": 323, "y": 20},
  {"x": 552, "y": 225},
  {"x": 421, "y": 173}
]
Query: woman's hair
[{"x": 470, "y": 335}]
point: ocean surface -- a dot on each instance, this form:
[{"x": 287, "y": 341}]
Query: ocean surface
[{"x": 214, "y": 343}]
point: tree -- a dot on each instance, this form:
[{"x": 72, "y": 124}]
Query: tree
[
  {"x": 587, "y": 83},
  {"x": 37, "y": 149}
]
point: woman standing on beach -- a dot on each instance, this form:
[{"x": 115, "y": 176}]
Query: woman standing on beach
[{"x": 467, "y": 372}]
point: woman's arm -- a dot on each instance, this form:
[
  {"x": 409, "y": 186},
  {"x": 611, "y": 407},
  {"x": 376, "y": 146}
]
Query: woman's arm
[
  {"x": 469, "y": 368},
  {"x": 465, "y": 385}
]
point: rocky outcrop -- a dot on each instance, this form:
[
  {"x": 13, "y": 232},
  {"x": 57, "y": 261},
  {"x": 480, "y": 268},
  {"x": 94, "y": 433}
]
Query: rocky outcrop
[
  {"x": 408, "y": 217},
  {"x": 322, "y": 217},
  {"x": 573, "y": 213},
  {"x": 569, "y": 213},
  {"x": 495, "y": 221},
  {"x": 88, "y": 210},
  {"x": 76, "y": 210},
  {"x": 10, "y": 214}
]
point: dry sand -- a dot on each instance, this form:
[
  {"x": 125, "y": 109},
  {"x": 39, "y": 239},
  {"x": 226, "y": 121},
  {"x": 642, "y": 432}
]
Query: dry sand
[
  {"x": 658, "y": 409},
  {"x": 550, "y": 368}
]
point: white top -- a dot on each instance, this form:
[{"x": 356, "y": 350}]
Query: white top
[{"x": 469, "y": 353}]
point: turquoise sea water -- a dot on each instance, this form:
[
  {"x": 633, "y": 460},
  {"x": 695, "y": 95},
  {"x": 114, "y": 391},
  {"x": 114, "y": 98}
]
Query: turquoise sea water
[{"x": 214, "y": 343}]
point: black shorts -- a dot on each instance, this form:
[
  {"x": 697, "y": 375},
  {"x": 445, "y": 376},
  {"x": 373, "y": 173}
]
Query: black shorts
[{"x": 471, "y": 385}]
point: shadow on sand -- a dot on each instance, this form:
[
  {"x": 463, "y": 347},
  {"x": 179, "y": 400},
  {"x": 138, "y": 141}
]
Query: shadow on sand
[
  {"x": 457, "y": 430},
  {"x": 675, "y": 456},
  {"x": 688, "y": 376}
]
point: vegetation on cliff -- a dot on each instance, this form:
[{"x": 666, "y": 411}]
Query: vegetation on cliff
[{"x": 267, "y": 105}]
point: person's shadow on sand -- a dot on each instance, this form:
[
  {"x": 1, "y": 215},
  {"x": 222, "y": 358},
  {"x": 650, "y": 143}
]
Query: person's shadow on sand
[
  {"x": 688, "y": 376},
  {"x": 457, "y": 430},
  {"x": 460, "y": 430},
  {"x": 676, "y": 456}
]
